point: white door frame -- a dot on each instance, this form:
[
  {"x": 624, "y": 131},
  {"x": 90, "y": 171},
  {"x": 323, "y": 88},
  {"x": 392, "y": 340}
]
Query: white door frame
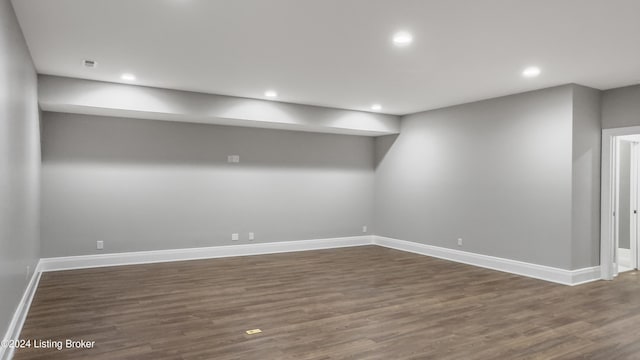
[
  {"x": 633, "y": 215},
  {"x": 608, "y": 200}
]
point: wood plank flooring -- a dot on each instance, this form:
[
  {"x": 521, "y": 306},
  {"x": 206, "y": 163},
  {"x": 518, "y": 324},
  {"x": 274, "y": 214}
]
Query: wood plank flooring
[{"x": 353, "y": 303}]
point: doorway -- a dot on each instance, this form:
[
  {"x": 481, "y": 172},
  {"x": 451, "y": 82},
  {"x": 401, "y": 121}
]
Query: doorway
[
  {"x": 620, "y": 202},
  {"x": 627, "y": 183}
]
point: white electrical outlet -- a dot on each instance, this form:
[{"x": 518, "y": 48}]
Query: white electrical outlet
[
  {"x": 99, "y": 244},
  {"x": 233, "y": 158},
  {"x": 459, "y": 241},
  {"x": 235, "y": 237},
  {"x": 252, "y": 236},
  {"x": 364, "y": 229}
]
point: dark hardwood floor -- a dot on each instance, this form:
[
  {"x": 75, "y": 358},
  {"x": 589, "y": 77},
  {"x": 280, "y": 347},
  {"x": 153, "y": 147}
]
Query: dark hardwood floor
[{"x": 353, "y": 303}]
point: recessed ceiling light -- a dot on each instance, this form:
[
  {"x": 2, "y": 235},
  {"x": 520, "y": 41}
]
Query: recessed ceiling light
[
  {"x": 402, "y": 38},
  {"x": 376, "y": 107},
  {"x": 531, "y": 71},
  {"x": 271, "y": 94},
  {"x": 128, "y": 77}
]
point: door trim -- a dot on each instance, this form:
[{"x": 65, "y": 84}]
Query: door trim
[{"x": 633, "y": 208}]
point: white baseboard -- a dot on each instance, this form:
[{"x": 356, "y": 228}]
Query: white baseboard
[
  {"x": 20, "y": 315},
  {"x": 561, "y": 276},
  {"x": 585, "y": 275},
  {"x": 145, "y": 257}
]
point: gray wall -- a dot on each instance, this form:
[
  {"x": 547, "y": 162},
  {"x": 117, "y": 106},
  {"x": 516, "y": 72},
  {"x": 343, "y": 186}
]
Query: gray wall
[
  {"x": 624, "y": 226},
  {"x": 146, "y": 185},
  {"x": 19, "y": 164},
  {"x": 621, "y": 107},
  {"x": 497, "y": 173},
  {"x": 585, "y": 186}
]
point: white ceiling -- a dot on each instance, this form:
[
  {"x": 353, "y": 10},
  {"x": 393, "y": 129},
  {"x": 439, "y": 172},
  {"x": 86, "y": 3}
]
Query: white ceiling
[{"x": 338, "y": 52}]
